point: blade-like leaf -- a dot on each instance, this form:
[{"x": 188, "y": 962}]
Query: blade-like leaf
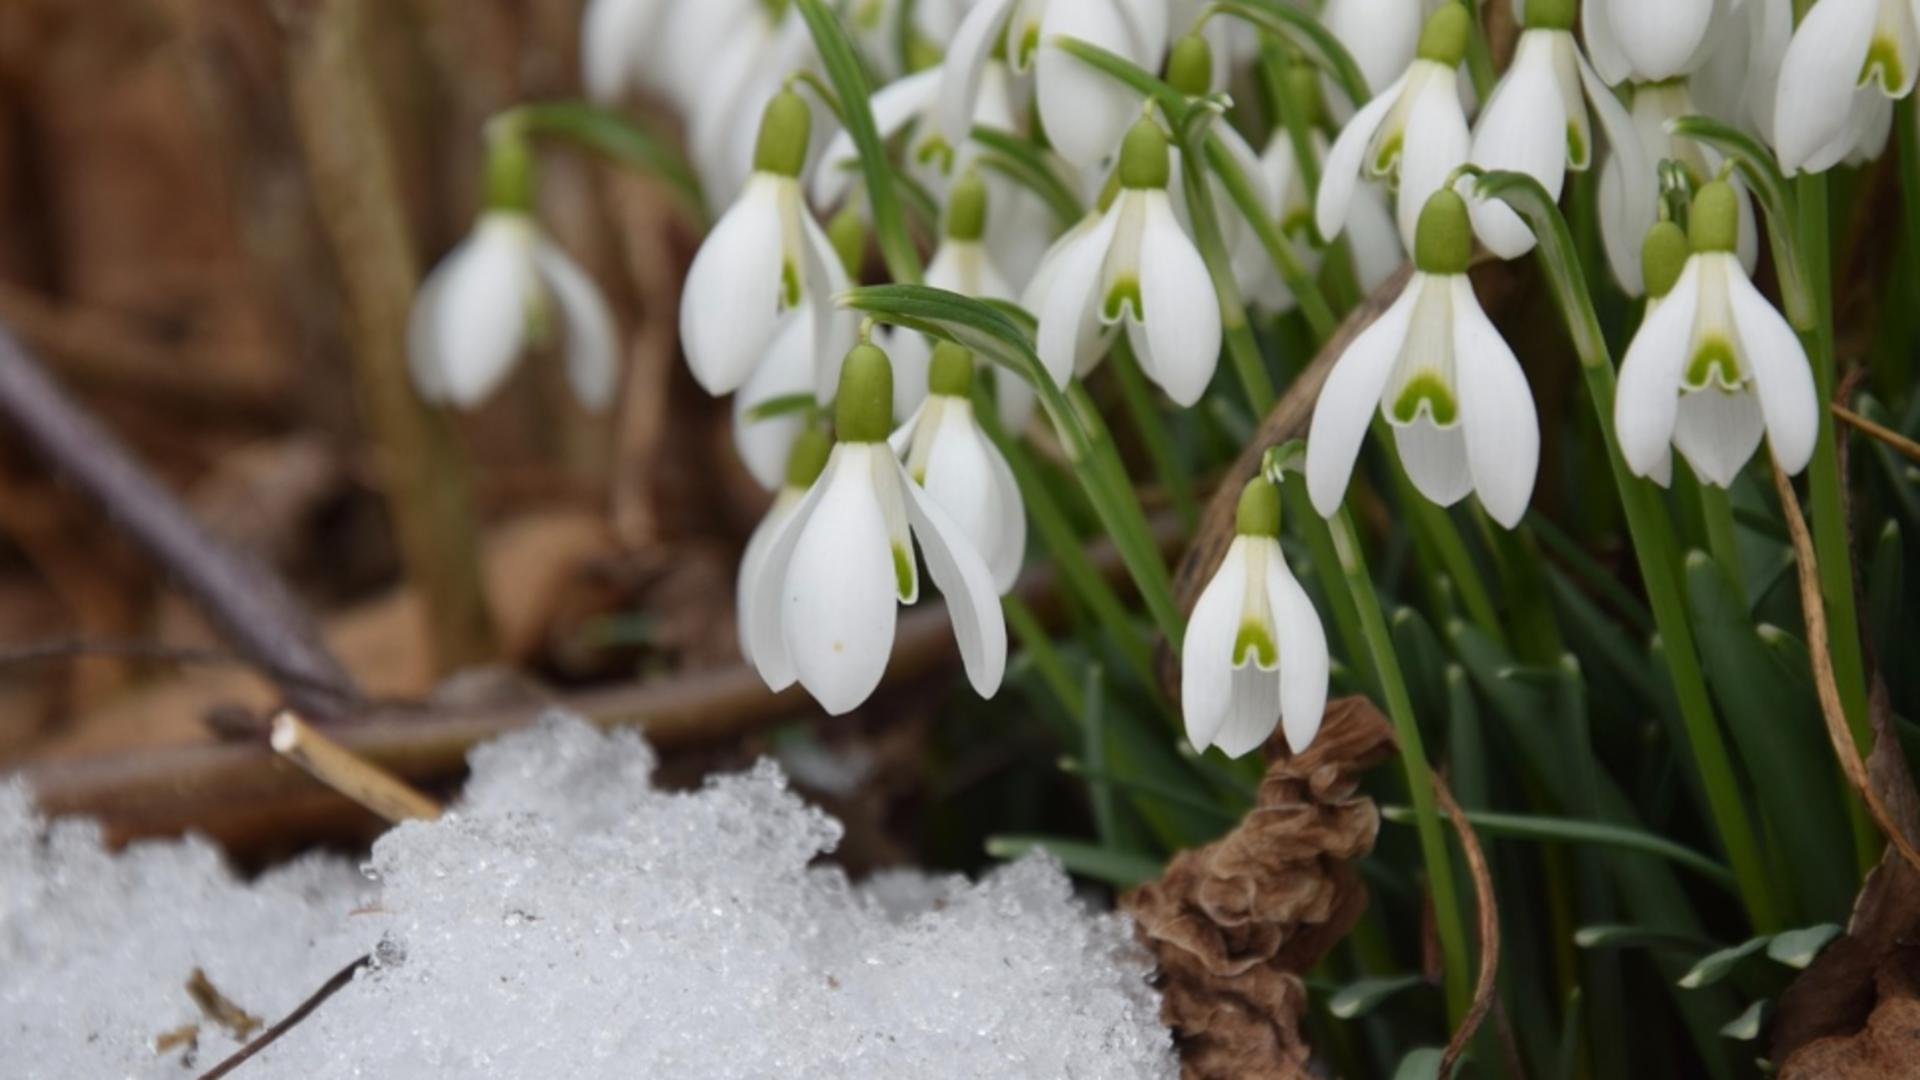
[
  {"x": 1797, "y": 948},
  {"x": 1124, "y": 869},
  {"x": 1362, "y": 996},
  {"x": 1716, "y": 966},
  {"x": 1310, "y": 36}
]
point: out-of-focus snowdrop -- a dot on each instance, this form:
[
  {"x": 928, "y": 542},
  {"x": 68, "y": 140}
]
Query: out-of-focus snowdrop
[
  {"x": 766, "y": 256},
  {"x": 1380, "y": 35},
  {"x": 896, "y": 50},
  {"x": 948, "y": 454},
  {"x": 1624, "y": 222},
  {"x": 787, "y": 371},
  {"x": 1232, "y": 42},
  {"x": 1255, "y": 654},
  {"x": 1134, "y": 266},
  {"x": 1844, "y": 53},
  {"x": 824, "y": 602},
  {"x": 1651, "y": 40},
  {"x": 1714, "y": 366},
  {"x": 746, "y": 65},
  {"x": 1085, "y": 111},
  {"x": 1739, "y": 79},
  {"x": 1435, "y": 367},
  {"x": 1537, "y": 122},
  {"x": 504, "y": 288},
  {"x": 806, "y": 459},
  {"x": 1413, "y": 132},
  {"x": 961, "y": 264}
]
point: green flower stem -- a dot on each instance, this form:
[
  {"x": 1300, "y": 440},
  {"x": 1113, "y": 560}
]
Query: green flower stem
[
  {"x": 1033, "y": 637},
  {"x": 1242, "y": 349},
  {"x": 1120, "y": 511},
  {"x": 1326, "y": 564},
  {"x": 1479, "y": 56},
  {"x": 608, "y": 134},
  {"x": 850, "y": 84},
  {"x": 1413, "y": 759},
  {"x": 1056, "y": 534},
  {"x": 1153, "y": 432},
  {"x": 1273, "y": 73},
  {"x": 1652, "y": 544},
  {"x": 1313, "y": 305},
  {"x": 1437, "y": 533},
  {"x": 1716, "y": 512},
  {"x": 1024, "y": 162}
]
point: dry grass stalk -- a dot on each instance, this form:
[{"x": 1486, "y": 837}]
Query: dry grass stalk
[
  {"x": 1488, "y": 926},
  {"x": 348, "y": 773}
]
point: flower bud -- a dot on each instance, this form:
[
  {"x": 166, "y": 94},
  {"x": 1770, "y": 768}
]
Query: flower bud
[
  {"x": 847, "y": 232},
  {"x": 863, "y": 408},
  {"x": 1190, "y": 66},
  {"x": 1662, "y": 256},
  {"x": 1714, "y": 223},
  {"x": 808, "y": 457},
  {"x": 785, "y": 128},
  {"x": 1259, "y": 510},
  {"x": 1143, "y": 156},
  {"x": 1443, "y": 241},
  {"x": 967, "y": 208},
  {"x": 951, "y": 373},
  {"x": 1443, "y": 39}
]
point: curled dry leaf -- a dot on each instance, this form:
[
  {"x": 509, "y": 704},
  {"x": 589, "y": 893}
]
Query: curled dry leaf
[{"x": 1235, "y": 923}]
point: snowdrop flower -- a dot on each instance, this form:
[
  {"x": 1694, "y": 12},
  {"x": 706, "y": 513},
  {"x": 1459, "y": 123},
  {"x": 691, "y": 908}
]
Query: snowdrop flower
[
  {"x": 1536, "y": 122},
  {"x": 824, "y": 602},
  {"x": 495, "y": 294},
  {"x": 1841, "y": 47},
  {"x": 1414, "y": 131},
  {"x": 766, "y": 256},
  {"x": 1623, "y": 224},
  {"x": 1650, "y": 40},
  {"x": 1380, "y": 35},
  {"x": 1255, "y": 654},
  {"x": 962, "y": 471},
  {"x": 806, "y": 459},
  {"x": 961, "y": 264},
  {"x": 764, "y": 442},
  {"x": 1714, "y": 366},
  {"x": 1438, "y": 371},
  {"x": 1085, "y": 111},
  {"x": 1136, "y": 266}
]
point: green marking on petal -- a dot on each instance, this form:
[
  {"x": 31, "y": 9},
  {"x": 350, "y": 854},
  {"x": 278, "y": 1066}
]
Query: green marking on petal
[
  {"x": 1883, "y": 61},
  {"x": 1029, "y": 44},
  {"x": 789, "y": 284},
  {"x": 1388, "y": 156},
  {"x": 1714, "y": 363},
  {"x": 934, "y": 150},
  {"x": 1254, "y": 638},
  {"x": 1125, "y": 293},
  {"x": 902, "y": 571},
  {"x": 1426, "y": 389},
  {"x": 1576, "y": 148}
]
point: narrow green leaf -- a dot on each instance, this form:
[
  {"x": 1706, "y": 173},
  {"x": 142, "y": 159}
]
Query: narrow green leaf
[
  {"x": 1746, "y": 1027},
  {"x": 1575, "y": 831},
  {"x": 1797, "y": 948},
  {"x": 1310, "y": 36},
  {"x": 1093, "y": 742},
  {"x": 1362, "y": 996},
  {"x": 1422, "y": 1064},
  {"x": 613, "y": 136},
  {"x": 1619, "y": 936},
  {"x": 1716, "y": 966},
  {"x": 780, "y": 406},
  {"x": 1118, "y": 868},
  {"x": 1136, "y": 786},
  {"x": 1029, "y": 165}
]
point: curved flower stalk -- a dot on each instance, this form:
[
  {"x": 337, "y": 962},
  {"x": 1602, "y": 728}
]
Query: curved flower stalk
[
  {"x": 1232, "y": 39},
  {"x": 1437, "y": 370},
  {"x": 766, "y": 256},
  {"x": 1537, "y": 122},
  {"x": 824, "y": 599},
  {"x": 1255, "y": 654},
  {"x": 1135, "y": 266},
  {"x": 504, "y": 288},
  {"x": 963, "y": 265},
  {"x": 1714, "y": 366},
  {"x": 1624, "y": 222},
  {"x": 1382, "y": 36},
  {"x": 1190, "y": 70},
  {"x": 1844, "y": 54},
  {"x": 948, "y": 454},
  {"x": 1085, "y": 113},
  {"x": 1413, "y": 134},
  {"x": 1650, "y": 40},
  {"x": 806, "y": 459}
]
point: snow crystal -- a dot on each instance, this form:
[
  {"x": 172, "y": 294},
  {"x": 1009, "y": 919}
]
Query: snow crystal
[{"x": 565, "y": 920}]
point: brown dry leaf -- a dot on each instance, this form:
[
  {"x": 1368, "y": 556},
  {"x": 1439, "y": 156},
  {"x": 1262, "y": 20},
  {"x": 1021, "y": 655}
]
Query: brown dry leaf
[
  {"x": 1233, "y": 924},
  {"x": 1887, "y": 1048}
]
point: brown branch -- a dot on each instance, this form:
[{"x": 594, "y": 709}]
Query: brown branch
[
  {"x": 1489, "y": 928},
  {"x": 327, "y": 989},
  {"x": 248, "y": 604},
  {"x": 1815, "y": 613},
  {"x": 1879, "y": 431},
  {"x": 348, "y": 773}
]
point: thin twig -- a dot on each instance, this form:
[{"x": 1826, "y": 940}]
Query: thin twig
[
  {"x": 348, "y": 773},
  {"x": 1815, "y": 613},
  {"x": 327, "y": 989},
  {"x": 42, "y": 652},
  {"x": 1879, "y": 431},
  {"x": 246, "y": 602},
  {"x": 1489, "y": 926}
]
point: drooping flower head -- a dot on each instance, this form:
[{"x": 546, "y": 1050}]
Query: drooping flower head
[
  {"x": 1437, "y": 370},
  {"x": 1843, "y": 55},
  {"x": 1714, "y": 366},
  {"x": 1255, "y": 654}
]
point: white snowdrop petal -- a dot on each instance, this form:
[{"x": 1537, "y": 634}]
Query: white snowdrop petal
[
  {"x": 1436, "y": 143},
  {"x": 1596, "y": 28},
  {"x": 1435, "y": 459},
  {"x": 912, "y": 356},
  {"x": 1009, "y": 549},
  {"x": 1070, "y": 314},
  {"x": 1304, "y": 664},
  {"x": 960, "y": 73},
  {"x": 592, "y": 344},
  {"x": 1380, "y": 35},
  {"x": 1718, "y": 431},
  {"x": 1814, "y": 96},
  {"x": 764, "y": 631},
  {"x": 480, "y": 308},
  {"x": 1341, "y": 169},
  {"x": 1647, "y": 400},
  {"x": 1206, "y": 653},
  {"x": 1351, "y": 396},
  {"x": 731, "y": 301},
  {"x": 788, "y": 369},
  {"x": 1621, "y": 236},
  {"x": 1638, "y": 189},
  {"x": 1373, "y": 237},
  {"x": 1496, "y": 410},
  {"x": 1253, "y": 711},
  {"x": 1182, "y": 324},
  {"x": 973, "y": 605},
  {"x": 753, "y": 560},
  {"x": 959, "y": 477},
  {"x": 835, "y": 329},
  {"x": 1659, "y": 37},
  {"x": 1086, "y": 111},
  {"x": 838, "y": 602},
  {"x": 894, "y": 106},
  {"x": 1523, "y": 129},
  {"x": 425, "y": 363},
  {"x": 613, "y": 44},
  {"x": 1782, "y": 376}
]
